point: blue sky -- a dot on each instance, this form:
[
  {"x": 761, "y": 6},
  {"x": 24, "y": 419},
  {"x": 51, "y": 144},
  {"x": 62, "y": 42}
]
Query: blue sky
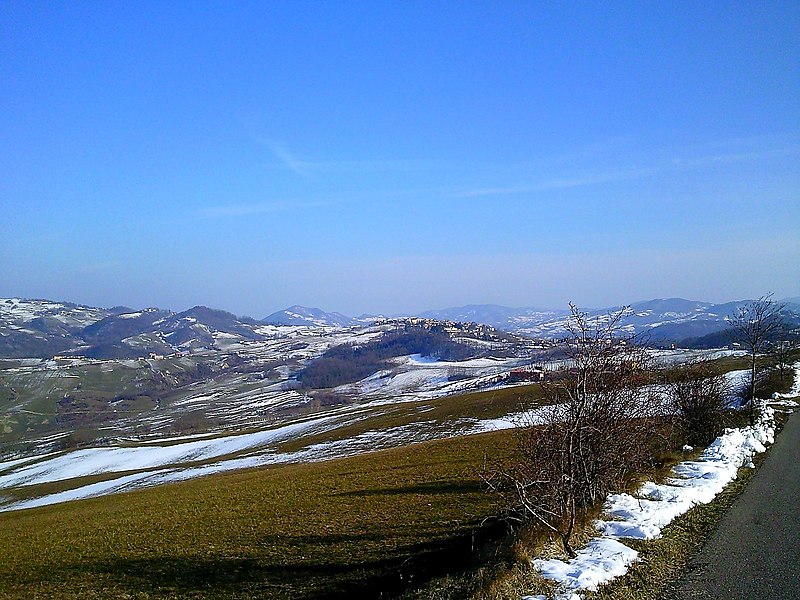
[{"x": 396, "y": 157}]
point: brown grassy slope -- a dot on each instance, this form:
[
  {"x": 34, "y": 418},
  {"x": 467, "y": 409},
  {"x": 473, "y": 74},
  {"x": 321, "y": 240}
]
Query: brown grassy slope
[{"x": 361, "y": 525}]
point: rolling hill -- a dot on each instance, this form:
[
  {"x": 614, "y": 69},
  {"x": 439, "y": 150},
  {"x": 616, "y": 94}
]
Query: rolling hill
[{"x": 44, "y": 328}]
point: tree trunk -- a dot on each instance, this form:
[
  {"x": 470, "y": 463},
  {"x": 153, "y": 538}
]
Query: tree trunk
[{"x": 567, "y": 547}]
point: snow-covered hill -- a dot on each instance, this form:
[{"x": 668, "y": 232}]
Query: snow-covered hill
[
  {"x": 661, "y": 319},
  {"x": 44, "y": 328},
  {"x": 19, "y": 311},
  {"x": 309, "y": 317}
]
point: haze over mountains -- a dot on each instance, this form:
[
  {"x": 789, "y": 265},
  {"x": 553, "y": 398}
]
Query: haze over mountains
[
  {"x": 43, "y": 328},
  {"x": 672, "y": 319},
  {"x": 669, "y": 319}
]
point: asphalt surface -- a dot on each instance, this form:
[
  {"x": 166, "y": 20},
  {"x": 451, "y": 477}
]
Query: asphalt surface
[{"x": 755, "y": 551}]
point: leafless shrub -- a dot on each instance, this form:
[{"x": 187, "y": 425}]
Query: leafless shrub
[
  {"x": 698, "y": 399},
  {"x": 593, "y": 438}
]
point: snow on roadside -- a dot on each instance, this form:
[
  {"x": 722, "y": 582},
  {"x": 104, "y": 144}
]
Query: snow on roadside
[
  {"x": 644, "y": 515},
  {"x": 696, "y": 482},
  {"x": 795, "y": 391},
  {"x": 600, "y": 561}
]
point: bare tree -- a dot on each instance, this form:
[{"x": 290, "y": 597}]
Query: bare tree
[
  {"x": 753, "y": 326},
  {"x": 592, "y": 438},
  {"x": 783, "y": 352}
]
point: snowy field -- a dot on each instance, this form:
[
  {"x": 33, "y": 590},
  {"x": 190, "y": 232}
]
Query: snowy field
[
  {"x": 134, "y": 463},
  {"x": 181, "y": 457},
  {"x": 141, "y": 463},
  {"x": 160, "y": 464}
]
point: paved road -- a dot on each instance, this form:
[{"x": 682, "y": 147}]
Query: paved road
[{"x": 755, "y": 551}]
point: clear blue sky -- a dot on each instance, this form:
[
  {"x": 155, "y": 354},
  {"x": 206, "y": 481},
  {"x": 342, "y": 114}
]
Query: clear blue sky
[{"x": 388, "y": 156}]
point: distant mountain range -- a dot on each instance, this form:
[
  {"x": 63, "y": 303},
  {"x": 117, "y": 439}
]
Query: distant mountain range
[
  {"x": 661, "y": 320},
  {"x": 501, "y": 317},
  {"x": 44, "y": 328}
]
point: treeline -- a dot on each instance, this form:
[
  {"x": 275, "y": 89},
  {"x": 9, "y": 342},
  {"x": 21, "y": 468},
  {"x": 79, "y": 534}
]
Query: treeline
[{"x": 348, "y": 363}]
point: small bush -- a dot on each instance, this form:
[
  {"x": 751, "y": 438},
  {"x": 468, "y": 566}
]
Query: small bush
[
  {"x": 325, "y": 399},
  {"x": 698, "y": 400}
]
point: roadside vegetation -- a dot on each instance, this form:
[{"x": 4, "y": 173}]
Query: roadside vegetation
[
  {"x": 593, "y": 440},
  {"x": 660, "y": 563},
  {"x": 663, "y": 560},
  {"x": 755, "y": 327}
]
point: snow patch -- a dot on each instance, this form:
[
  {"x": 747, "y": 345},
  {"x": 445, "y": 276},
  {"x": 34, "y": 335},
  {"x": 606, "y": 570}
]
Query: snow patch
[
  {"x": 600, "y": 561},
  {"x": 93, "y": 461},
  {"x": 795, "y": 391}
]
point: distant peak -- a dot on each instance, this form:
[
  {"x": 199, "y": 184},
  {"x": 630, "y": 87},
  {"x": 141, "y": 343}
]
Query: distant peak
[{"x": 308, "y": 316}]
